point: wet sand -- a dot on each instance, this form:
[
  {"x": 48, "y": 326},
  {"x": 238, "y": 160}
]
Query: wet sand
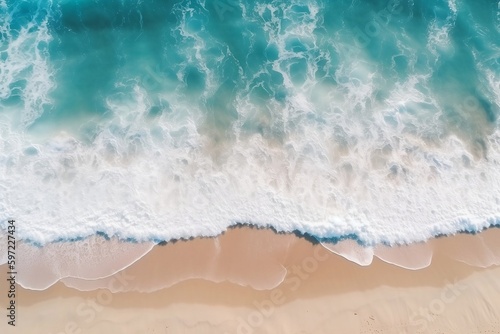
[{"x": 256, "y": 281}]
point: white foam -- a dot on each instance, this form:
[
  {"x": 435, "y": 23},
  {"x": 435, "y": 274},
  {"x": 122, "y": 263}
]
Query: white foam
[
  {"x": 26, "y": 60},
  {"x": 133, "y": 185},
  {"x": 438, "y": 33}
]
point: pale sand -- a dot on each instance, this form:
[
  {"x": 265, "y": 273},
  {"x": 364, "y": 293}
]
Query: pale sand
[{"x": 322, "y": 292}]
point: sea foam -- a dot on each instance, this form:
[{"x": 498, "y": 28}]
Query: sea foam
[{"x": 151, "y": 125}]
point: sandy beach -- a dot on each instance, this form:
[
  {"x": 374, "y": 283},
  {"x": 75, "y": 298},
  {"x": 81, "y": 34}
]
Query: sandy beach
[
  {"x": 261, "y": 282},
  {"x": 249, "y": 166}
]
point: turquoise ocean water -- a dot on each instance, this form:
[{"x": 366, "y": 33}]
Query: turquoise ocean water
[{"x": 153, "y": 120}]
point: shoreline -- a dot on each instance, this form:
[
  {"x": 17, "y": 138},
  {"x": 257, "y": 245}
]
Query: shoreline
[
  {"x": 295, "y": 284},
  {"x": 77, "y": 260},
  {"x": 297, "y": 233}
]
